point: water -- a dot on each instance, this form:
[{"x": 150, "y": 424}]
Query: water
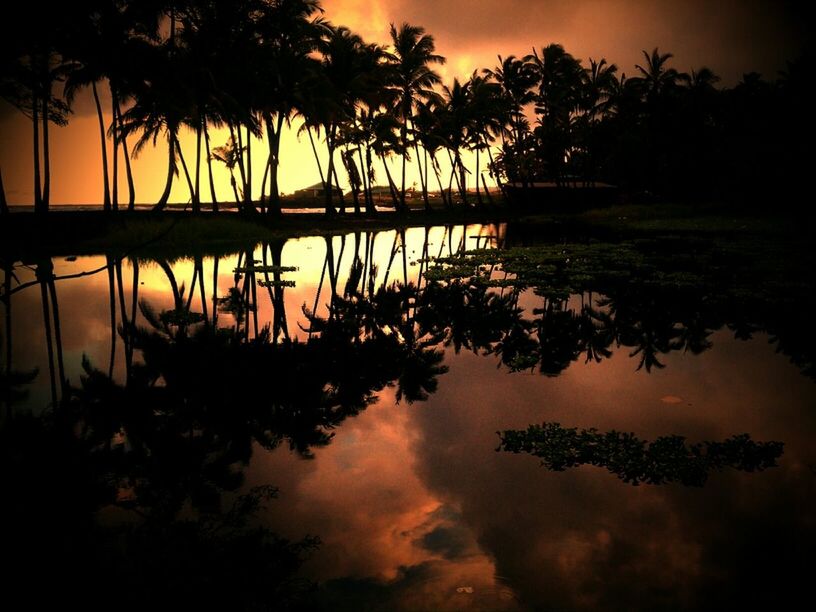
[{"x": 381, "y": 437}]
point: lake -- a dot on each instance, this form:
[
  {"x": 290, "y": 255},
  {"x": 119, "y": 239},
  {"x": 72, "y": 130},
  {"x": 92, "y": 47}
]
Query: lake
[{"x": 314, "y": 423}]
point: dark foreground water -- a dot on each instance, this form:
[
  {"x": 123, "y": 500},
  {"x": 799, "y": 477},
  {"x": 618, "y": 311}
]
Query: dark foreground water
[{"x": 252, "y": 436}]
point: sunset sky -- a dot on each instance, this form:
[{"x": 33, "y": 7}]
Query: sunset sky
[{"x": 730, "y": 36}]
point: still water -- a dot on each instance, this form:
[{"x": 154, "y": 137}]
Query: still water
[{"x": 372, "y": 400}]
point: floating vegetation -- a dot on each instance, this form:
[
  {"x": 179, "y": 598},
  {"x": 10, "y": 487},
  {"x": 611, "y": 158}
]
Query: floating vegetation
[
  {"x": 180, "y": 317},
  {"x": 666, "y": 459},
  {"x": 262, "y": 269}
]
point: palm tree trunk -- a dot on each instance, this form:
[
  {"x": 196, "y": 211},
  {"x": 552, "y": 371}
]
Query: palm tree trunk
[
  {"x": 57, "y": 334},
  {"x": 391, "y": 186},
  {"x": 240, "y": 157},
  {"x": 112, "y": 304},
  {"x": 128, "y": 169},
  {"x": 46, "y": 193},
  {"x": 171, "y": 170},
  {"x": 435, "y": 164},
  {"x": 248, "y": 190},
  {"x": 35, "y": 118},
  {"x": 215, "y": 292},
  {"x": 422, "y": 178},
  {"x": 209, "y": 167},
  {"x": 330, "y": 133},
  {"x": 267, "y": 166},
  {"x": 115, "y": 140},
  {"x": 367, "y": 201},
  {"x": 495, "y": 175},
  {"x": 478, "y": 191},
  {"x": 48, "y": 342},
  {"x": 4, "y": 209},
  {"x": 134, "y": 301},
  {"x": 403, "y": 141},
  {"x": 317, "y": 157},
  {"x": 274, "y": 189},
  {"x": 425, "y": 181},
  {"x": 199, "y": 262},
  {"x": 105, "y": 184},
  {"x": 7, "y": 299},
  {"x": 186, "y": 172},
  {"x": 463, "y": 179},
  {"x": 339, "y": 190},
  {"x": 197, "y": 192}
]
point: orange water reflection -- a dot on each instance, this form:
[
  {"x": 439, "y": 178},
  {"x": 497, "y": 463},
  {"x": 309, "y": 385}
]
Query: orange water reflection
[{"x": 414, "y": 508}]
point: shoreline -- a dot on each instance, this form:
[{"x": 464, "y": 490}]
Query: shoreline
[{"x": 176, "y": 232}]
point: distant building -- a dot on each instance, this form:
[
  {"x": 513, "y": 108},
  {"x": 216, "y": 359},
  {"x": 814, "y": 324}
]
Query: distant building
[{"x": 316, "y": 191}]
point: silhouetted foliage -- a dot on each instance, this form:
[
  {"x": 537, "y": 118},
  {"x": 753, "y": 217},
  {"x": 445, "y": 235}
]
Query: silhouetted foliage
[{"x": 664, "y": 460}]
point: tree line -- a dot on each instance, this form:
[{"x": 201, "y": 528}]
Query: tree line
[{"x": 255, "y": 67}]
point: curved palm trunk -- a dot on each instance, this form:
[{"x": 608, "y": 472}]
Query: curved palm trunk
[
  {"x": 171, "y": 169},
  {"x": 209, "y": 167},
  {"x": 128, "y": 169},
  {"x": 4, "y": 209},
  {"x": 106, "y": 205},
  {"x": 391, "y": 186},
  {"x": 186, "y": 173},
  {"x": 442, "y": 194},
  {"x": 462, "y": 177},
  {"x": 339, "y": 190},
  {"x": 317, "y": 157}
]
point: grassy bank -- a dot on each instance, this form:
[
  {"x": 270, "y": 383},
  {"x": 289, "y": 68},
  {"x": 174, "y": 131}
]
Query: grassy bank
[
  {"x": 86, "y": 232},
  {"x": 179, "y": 233}
]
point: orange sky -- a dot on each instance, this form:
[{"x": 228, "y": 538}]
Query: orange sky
[{"x": 731, "y": 36}]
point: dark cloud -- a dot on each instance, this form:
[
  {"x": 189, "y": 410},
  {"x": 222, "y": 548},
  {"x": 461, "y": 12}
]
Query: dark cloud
[
  {"x": 582, "y": 539},
  {"x": 731, "y": 36}
]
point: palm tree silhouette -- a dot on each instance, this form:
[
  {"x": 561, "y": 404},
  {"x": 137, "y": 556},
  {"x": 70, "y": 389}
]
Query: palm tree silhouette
[{"x": 411, "y": 54}]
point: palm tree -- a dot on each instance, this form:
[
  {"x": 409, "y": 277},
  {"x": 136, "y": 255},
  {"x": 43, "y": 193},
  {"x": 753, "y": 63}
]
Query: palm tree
[
  {"x": 559, "y": 97},
  {"x": 655, "y": 78},
  {"x": 489, "y": 113},
  {"x": 337, "y": 89},
  {"x": 289, "y": 33},
  {"x": 455, "y": 121},
  {"x": 161, "y": 104},
  {"x": 413, "y": 51}
]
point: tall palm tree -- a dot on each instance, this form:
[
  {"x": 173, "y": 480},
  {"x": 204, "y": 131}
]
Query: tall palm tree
[
  {"x": 411, "y": 56},
  {"x": 289, "y": 32},
  {"x": 559, "y": 97},
  {"x": 161, "y": 105}
]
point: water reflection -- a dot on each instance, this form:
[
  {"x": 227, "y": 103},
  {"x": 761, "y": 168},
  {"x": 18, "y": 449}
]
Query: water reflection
[{"x": 200, "y": 374}]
